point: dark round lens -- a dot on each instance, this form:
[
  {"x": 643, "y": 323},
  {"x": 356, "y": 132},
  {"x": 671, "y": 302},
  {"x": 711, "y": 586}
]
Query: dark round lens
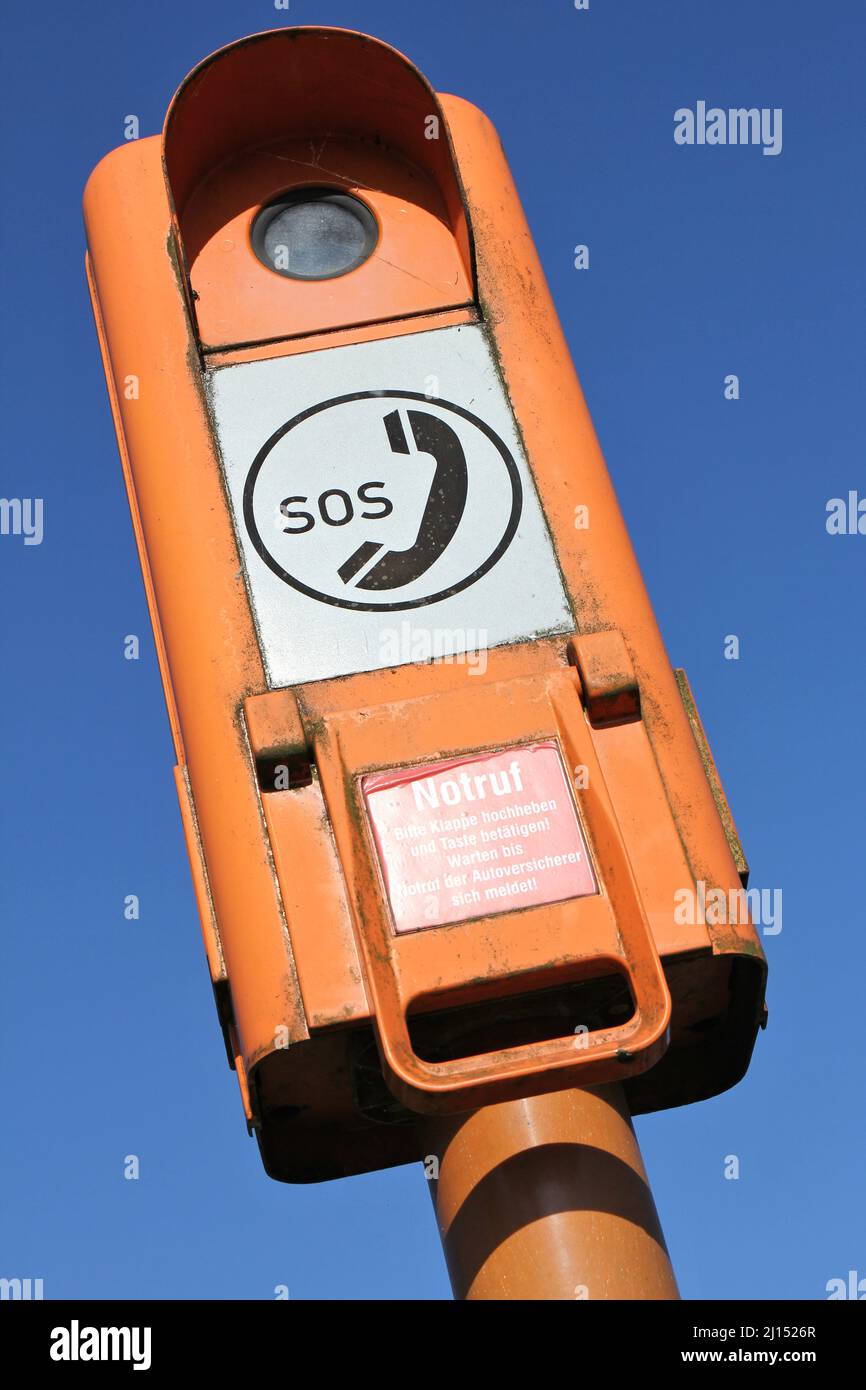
[{"x": 314, "y": 234}]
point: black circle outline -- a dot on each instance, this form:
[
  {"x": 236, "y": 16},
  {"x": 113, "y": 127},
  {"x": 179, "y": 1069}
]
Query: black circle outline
[
  {"x": 310, "y": 193},
  {"x": 494, "y": 557}
]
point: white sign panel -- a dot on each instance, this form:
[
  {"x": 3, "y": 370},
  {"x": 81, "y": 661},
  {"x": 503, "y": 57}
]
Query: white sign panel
[{"x": 383, "y": 505}]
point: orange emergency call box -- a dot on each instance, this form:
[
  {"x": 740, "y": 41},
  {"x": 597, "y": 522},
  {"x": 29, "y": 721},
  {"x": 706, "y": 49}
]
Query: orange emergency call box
[{"x": 440, "y": 787}]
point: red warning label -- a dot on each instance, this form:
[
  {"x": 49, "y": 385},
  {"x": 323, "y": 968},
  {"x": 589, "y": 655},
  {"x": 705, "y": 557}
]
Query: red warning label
[{"x": 473, "y": 836}]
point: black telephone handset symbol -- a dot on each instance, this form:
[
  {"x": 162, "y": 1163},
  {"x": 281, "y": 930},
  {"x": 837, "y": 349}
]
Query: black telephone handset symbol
[{"x": 442, "y": 513}]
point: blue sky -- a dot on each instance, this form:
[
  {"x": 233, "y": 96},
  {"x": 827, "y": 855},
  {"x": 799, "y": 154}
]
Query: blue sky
[{"x": 703, "y": 262}]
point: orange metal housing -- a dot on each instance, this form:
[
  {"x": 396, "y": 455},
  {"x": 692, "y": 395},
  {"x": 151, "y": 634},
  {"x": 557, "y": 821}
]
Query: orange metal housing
[{"x": 340, "y": 1031}]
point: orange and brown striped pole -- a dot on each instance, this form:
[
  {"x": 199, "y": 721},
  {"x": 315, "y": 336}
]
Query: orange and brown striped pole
[{"x": 548, "y": 1198}]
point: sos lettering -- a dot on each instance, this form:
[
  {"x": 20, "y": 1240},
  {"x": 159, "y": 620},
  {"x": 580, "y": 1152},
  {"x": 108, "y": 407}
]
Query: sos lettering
[{"x": 336, "y": 508}]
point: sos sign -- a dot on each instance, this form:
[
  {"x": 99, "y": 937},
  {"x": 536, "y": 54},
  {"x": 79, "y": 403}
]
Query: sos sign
[{"x": 398, "y": 500}]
